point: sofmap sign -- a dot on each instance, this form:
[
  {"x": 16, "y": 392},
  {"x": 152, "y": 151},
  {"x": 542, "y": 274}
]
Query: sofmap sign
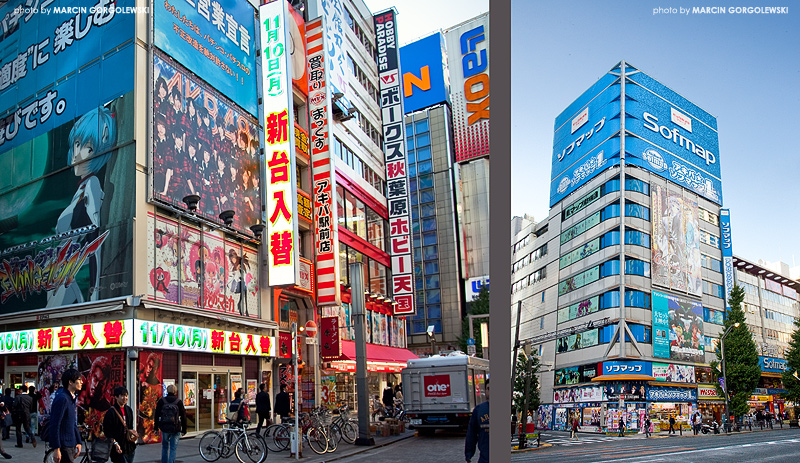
[
  {"x": 727, "y": 253},
  {"x": 677, "y": 140},
  {"x": 425, "y": 79},
  {"x": 215, "y": 40},
  {"x": 671, "y": 394},
  {"x": 623, "y": 367},
  {"x": 772, "y": 364}
]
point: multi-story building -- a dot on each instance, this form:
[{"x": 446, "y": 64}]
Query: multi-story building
[
  {"x": 771, "y": 308},
  {"x": 447, "y": 143},
  {"x": 621, "y": 287},
  {"x": 170, "y": 216}
]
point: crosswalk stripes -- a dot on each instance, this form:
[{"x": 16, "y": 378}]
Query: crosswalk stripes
[{"x": 580, "y": 440}]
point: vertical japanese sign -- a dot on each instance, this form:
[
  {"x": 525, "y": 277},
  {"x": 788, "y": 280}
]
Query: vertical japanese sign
[
  {"x": 279, "y": 145},
  {"x": 727, "y": 253},
  {"x": 325, "y": 221},
  {"x": 468, "y": 62},
  {"x": 334, "y": 39},
  {"x": 395, "y": 158}
]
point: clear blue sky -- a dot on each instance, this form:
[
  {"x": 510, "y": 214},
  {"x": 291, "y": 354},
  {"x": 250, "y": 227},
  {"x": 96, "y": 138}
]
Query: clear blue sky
[
  {"x": 742, "y": 68},
  {"x": 418, "y": 18}
]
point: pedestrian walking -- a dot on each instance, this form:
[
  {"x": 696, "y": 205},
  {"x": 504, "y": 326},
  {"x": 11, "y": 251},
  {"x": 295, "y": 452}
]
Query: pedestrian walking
[
  {"x": 576, "y": 425},
  {"x": 647, "y": 425},
  {"x": 696, "y": 422},
  {"x": 388, "y": 398},
  {"x": 118, "y": 426},
  {"x": 8, "y": 419},
  {"x": 622, "y": 426},
  {"x": 478, "y": 431},
  {"x": 671, "y": 425},
  {"x": 283, "y": 404},
  {"x": 22, "y": 416},
  {"x": 263, "y": 407},
  {"x": 171, "y": 421},
  {"x": 3, "y": 413},
  {"x": 65, "y": 437},
  {"x": 35, "y": 397},
  {"x": 238, "y": 411}
]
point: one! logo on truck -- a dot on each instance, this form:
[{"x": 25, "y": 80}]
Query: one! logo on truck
[{"x": 437, "y": 385}]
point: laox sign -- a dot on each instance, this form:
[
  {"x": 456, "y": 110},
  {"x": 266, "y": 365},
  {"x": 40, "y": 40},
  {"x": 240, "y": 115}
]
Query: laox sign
[{"x": 437, "y": 385}]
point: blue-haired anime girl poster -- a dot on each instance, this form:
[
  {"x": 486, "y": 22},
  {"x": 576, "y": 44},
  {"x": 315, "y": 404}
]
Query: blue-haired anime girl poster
[{"x": 66, "y": 221}]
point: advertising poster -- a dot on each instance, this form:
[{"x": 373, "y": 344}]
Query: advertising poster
[
  {"x": 167, "y": 383},
  {"x": 150, "y": 390},
  {"x": 67, "y": 227},
  {"x": 224, "y": 271},
  {"x": 425, "y": 75},
  {"x": 203, "y": 145},
  {"x": 685, "y": 319},
  {"x": 676, "y": 261},
  {"x": 545, "y": 417},
  {"x": 49, "y": 379},
  {"x": 672, "y": 373},
  {"x": 329, "y": 391},
  {"x": 567, "y": 376},
  {"x": 236, "y": 383},
  {"x": 103, "y": 372},
  {"x": 252, "y": 390},
  {"x": 189, "y": 393},
  {"x": 215, "y": 40}
]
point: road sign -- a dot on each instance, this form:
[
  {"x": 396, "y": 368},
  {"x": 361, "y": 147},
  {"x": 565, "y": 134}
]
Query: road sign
[
  {"x": 471, "y": 341},
  {"x": 311, "y": 328},
  {"x": 471, "y": 349}
]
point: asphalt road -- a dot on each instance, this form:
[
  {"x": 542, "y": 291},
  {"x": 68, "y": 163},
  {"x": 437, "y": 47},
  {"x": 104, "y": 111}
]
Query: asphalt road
[
  {"x": 444, "y": 447},
  {"x": 764, "y": 446}
]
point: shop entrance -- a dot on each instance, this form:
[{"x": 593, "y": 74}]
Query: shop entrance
[
  {"x": 17, "y": 377},
  {"x": 206, "y": 397}
]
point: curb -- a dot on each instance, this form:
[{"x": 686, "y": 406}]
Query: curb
[
  {"x": 364, "y": 449},
  {"x": 544, "y": 445}
]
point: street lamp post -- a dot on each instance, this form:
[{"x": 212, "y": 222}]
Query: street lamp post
[{"x": 724, "y": 375}]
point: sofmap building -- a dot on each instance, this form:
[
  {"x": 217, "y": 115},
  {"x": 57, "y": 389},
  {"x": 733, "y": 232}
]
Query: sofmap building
[{"x": 621, "y": 289}]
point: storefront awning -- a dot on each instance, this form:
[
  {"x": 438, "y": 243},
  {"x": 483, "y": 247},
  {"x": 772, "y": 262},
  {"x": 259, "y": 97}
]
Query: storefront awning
[
  {"x": 379, "y": 358},
  {"x": 623, "y": 378}
]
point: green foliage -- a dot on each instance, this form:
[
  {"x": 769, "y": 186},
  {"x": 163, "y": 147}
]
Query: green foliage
[
  {"x": 741, "y": 356},
  {"x": 478, "y": 306},
  {"x": 792, "y": 354},
  {"x": 527, "y": 365}
]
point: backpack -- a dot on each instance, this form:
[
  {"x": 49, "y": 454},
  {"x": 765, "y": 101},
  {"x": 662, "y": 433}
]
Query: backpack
[{"x": 170, "y": 419}]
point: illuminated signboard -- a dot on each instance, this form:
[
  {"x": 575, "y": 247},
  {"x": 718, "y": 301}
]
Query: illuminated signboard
[
  {"x": 322, "y": 175},
  {"x": 397, "y": 193},
  {"x": 169, "y": 336},
  {"x": 278, "y": 145},
  {"x": 99, "y": 335},
  {"x": 468, "y": 64},
  {"x": 425, "y": 78},
  {"x": 727, "y": 253},
  {"x": 215, "y": 40}
]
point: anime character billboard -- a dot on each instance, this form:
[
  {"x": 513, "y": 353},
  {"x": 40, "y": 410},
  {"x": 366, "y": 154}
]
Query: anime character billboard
[
  {"x": 676, "y": 241},
  {"x": 66, "y": 222},
  {"x": 203, "y": 145},
  {"x": 149, "y": 380},
  {"x": 686, "y": 339},
  {"x": 102, "y": 373}
]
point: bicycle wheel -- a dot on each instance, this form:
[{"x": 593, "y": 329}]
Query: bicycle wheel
[
  {"x": 250, "y": 448},
  {"x": 334, "y": 435},
  {"x": 349, "y": 432},
  {"x": 317, "y": 440},
  {"x": 48, "y": 456},
  {"x": 211, "y": 446},
  {"x": 281, "y": 438},
  {"x": 269, "y": 438}
]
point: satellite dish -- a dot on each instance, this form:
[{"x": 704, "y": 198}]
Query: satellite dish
[{"x": 298, "y": 50}]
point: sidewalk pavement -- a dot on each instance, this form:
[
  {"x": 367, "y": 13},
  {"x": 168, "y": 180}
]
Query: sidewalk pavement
[{"x": 188, "y": 451}]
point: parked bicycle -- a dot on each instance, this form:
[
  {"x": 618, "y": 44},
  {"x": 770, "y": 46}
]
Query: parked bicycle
[
  {"x": 88, "y": 454},
  {"x": 248, "y": 446},
  {"x": 347, "y": 427},
  {"x": 278, "y": 436}
]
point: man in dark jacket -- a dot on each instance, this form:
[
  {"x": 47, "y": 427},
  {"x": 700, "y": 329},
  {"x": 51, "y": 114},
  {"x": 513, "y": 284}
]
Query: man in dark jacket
[
  {"x": 240, "y": 407},
  {"x": 165, "y": 422},
  {"x": 388, "y": 397},
  {"x": 22, "y": 415},
  {"x": 9, "y": 403},
  {"x": 478, "y": 431},
  {"x": 35, "y": 397},
  {"x": 283, "y": 404},
  {"x": 263, "y": 407},
  {"x": 3, "y": 411},
  {"x": 118, "y": 419},
  {"x": 65, "y": 437}
]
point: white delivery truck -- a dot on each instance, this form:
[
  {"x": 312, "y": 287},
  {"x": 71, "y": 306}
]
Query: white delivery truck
[{"x": 441, "y": 391}]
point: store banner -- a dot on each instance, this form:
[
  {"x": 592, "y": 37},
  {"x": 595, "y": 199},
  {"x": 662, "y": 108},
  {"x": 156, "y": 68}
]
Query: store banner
[
  {"x": 708, "y": 392},
  {"x": 773, "y": 365},
  {"x": 91, "y": 336},
  {"x": 149, "y": 379},
  {"x": 682, "y": 321},
  {"x": 103, "y": 372},
  {"x": 727, "y": 253},
  {"x": 671, "y": 394},
  {"x": 579, "y": 394},
  {"x": 626, "y": 367},
  {"x": 157, "y": 335},
  {"x": 673, "y": 373}
]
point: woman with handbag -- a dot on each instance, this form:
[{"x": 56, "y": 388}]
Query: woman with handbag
[{"x": 119, "y": 429}]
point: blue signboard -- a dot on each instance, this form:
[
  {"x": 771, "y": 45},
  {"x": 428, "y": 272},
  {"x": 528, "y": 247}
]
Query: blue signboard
[
  {"x": 585, "y": 141},
  {"x": 772, "y": 364},
  {"x": 627, "y": 367},
  {"x": 727, "y": 253},
  {"x": 425, "y": 80},
  {"x": 216, "y": 41},
  {"x": 660, "y": 325},
  {"x": 679, "y": 132},
  {"x": 41, "y": 46},
  {"x": 671, "y": 394}
]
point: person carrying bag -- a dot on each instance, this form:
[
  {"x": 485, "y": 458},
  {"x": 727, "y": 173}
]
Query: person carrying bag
[{"x": 118, "y": 424}]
